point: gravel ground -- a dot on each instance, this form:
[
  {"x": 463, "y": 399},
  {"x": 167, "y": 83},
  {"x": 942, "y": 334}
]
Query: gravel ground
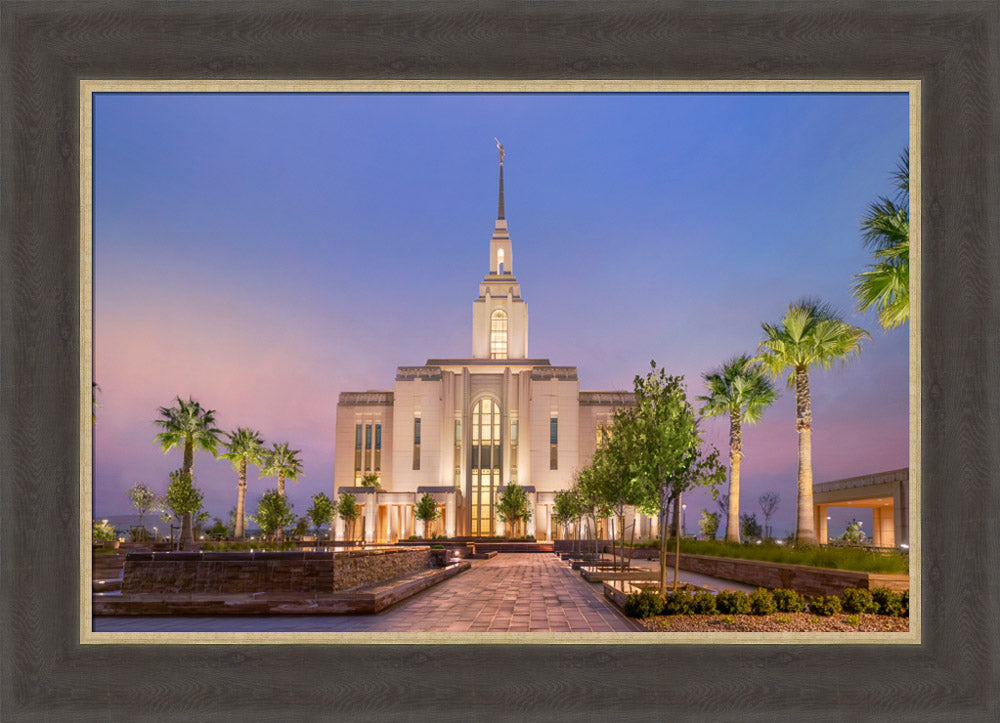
[{"x": 778, "y": 623}]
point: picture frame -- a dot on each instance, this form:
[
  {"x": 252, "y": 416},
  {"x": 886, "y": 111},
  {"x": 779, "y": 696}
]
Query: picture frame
[{"x": 49, "y": 48}]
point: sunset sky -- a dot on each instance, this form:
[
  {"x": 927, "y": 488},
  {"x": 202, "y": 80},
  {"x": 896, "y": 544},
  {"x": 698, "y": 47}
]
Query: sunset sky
[{"x": 264, "y": 252}]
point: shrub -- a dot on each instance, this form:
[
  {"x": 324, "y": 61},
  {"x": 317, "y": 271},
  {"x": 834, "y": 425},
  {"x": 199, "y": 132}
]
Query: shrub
[
  {"x": 679, "y": 602},
  {"x": 853, "y": 620},
  {"x": 762, "y": 602},
  {"x": 437, "y": 547},
  {"x": 103, "y": 532},
  {"x": 887, "y": 601},
  {"x": 644, "y": 604},
  {"x": 732, "y": 602},
  {"x": 824, "y": 605},
  {"x": 904, "y": 604},
  {"x": 788, "y": 601},
  {"x": 856, "y": 600},
  {"x": 703, "y": 603}
]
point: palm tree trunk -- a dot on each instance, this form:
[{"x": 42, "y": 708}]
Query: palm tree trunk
[
  {"x": 735, "y": 455},
  {"x": 187, "y": 529},
  {"x": 241, "y": 500},
  {"x": 280, "y": 534},
  {"x": 805, "y": 529}
]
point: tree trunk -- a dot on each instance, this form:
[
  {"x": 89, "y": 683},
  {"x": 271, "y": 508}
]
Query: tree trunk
[
  {"x": 664, "y": 531},
  {"x": 241, "y": 498},
  {"x": 677, "y": 551},
  {"x": 187, "y": 530},
  {"x": 805, "y": 528},
  {"x": 735, "y": 455}
]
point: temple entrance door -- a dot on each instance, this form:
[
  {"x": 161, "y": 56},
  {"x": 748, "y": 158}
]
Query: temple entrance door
[{"x": 484, "y": 473}]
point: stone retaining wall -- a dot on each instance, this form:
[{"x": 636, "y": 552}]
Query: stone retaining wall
[{"x": 248, "y": 572}]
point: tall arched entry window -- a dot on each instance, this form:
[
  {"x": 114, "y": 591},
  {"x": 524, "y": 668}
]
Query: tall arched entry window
[
  {"x": 498, "y": 334},
  {"x": 484, "y": 475}
]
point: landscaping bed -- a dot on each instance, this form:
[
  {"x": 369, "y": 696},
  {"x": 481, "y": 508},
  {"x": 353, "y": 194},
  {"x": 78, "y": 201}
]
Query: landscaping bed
[{"x": 779, "y": 623}]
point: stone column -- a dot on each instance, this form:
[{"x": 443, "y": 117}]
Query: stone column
[
  {"x": 530, "y": 527},
  {"x": 392, "y": 534},
  {"x": 338, "y": 528},
  {"x": 449, "y": 515},
  {"x": 371, "y": 515}
]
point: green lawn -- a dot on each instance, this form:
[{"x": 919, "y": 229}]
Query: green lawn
[{"x": 838, "y": 558}]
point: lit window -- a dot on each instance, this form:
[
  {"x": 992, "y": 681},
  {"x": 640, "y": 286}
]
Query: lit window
[
  {"x": 378, "y": 448},
  {"x": 358, "y": 436},
  {"x": 498, "y": 335},
  {"x": 416, "y": 443},
  {"x": 554, "y": 443}
]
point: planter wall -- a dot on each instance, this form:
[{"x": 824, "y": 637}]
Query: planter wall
[
  {"x": 176, "y": 573},
  {"x": 801, "y": 578}
]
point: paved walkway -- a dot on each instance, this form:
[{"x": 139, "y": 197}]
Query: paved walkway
[{"x": 513, "y": 592}]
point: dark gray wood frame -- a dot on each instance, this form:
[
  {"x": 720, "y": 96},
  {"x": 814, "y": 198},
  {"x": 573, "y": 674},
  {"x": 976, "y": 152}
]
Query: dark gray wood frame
[{"x": 47, "y": 47}]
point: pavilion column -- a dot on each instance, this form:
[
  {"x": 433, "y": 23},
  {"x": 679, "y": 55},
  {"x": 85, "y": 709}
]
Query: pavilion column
[{"x": 821, "y": 529}]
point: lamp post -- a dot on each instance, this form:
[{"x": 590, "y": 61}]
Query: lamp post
[
  {"x": 684, "y": 527},
  {"x": 828, "y": 528}
]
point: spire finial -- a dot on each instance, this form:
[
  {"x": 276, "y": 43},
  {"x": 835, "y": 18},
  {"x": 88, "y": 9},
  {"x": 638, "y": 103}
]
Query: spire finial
[{"x": 500, "y": 213}]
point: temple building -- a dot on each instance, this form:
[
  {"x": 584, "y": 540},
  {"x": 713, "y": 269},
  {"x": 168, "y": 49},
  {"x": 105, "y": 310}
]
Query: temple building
[{"x": 462, "y": 429}]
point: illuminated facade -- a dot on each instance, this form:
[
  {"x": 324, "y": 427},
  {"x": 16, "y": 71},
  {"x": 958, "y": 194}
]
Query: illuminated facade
[{"x": 461, "y": 429}]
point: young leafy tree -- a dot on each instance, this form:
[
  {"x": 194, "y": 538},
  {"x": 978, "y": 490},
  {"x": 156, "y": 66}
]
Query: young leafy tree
[
  {"x": 768, "y": 504},
  {"x": 669, "y": 457},
  {"x": 749, "y": 527},
  {"x": 244, "y": 446},
  {"x": 810, "y": 334},
  {"x": 513, "y": 507},
  {"x": 143, "y": 499},
  {"x": 613, "y": 476},
  {"x": 592, "y": 502},
  {"x": 567, "y": 510},
  {"x": 187, "y": 425},
  {"x": 426, "y": 510},
  {"x": 183, "y": 499},
  {"x": 742, "y": 390},
  {"x": 709, "y": 524},
  {"x": 885, "y": 229},
  {"x": 274, "y": 513},
  {"x": 349, "y": 511},
  {"x": 321, "y": 512}
]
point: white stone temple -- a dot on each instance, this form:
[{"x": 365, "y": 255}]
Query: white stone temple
[{"x": 462, "y": 429}]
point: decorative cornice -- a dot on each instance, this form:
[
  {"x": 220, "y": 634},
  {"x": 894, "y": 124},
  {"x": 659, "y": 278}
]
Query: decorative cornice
[
  {"x": 607, "y": 399},
  {"x": 365, "y": 399}
]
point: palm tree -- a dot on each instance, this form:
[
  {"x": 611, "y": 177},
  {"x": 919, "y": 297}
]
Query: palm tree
[
  {"x": 187, "y": 425},
  {"x": 244, "y": 445},
  {"x": 283, "y": 462},
  {"x": 811, "y": 333},
  {"x": 741, "y": 389},
  {"x": 885, "y": 230}
]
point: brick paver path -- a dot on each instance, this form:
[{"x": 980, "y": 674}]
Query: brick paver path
[{"x": 513, "y": 592}]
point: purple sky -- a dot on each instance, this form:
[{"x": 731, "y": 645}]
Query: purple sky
[{"x": 264, "y": 252}]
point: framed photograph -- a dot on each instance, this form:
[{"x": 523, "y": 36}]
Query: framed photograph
[
  {"x": 54, "y": 60},
  {"x": 352, "y": 189}
]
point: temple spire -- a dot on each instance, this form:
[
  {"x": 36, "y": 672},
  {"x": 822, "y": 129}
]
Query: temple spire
[{"x": 500, "y": 213}]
